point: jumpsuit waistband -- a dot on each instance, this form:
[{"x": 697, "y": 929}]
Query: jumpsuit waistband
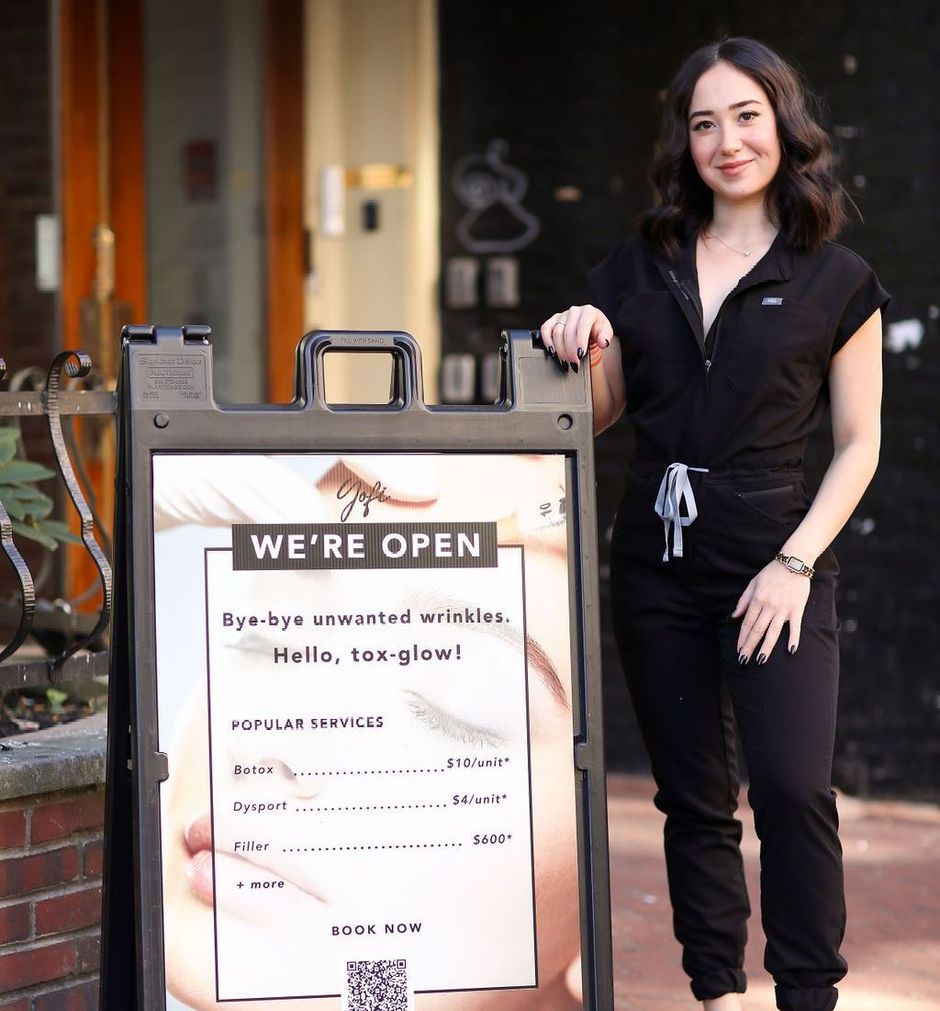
[{"x": 676, "y": 489}]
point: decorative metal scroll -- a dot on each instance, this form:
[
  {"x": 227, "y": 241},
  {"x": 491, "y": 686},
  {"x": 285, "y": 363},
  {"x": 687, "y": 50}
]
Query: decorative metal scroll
[
  {"x": 23, "y": 575},
  {"x": 26, "y": 398},
  {"x": 76, "y": 364}
]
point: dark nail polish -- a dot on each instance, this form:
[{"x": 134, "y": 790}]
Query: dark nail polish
[
  {"x": 564, "y": 365},
  {"x": 762, "y": 658},
  {"x": 742, "y": 658},
  {"x": 574, "y": 366},
  {"x": 730, "y": 616},
  {"x": 580, "y": 353},
  {"x": 792, "y": 650},
  {"x": 551, "y": 350}
]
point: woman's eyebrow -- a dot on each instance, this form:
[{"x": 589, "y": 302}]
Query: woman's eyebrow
[
  {"x": 535, "y": 654},
  {"x": 252, "y": 642},
  {"x": 734, "y": 105},
  {"x": 540, "y": 661}
]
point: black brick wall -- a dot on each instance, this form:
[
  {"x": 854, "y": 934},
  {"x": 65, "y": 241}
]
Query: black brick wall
[
  {"x": 573, "y": 89},
  {"x": 27, "y": 316}
]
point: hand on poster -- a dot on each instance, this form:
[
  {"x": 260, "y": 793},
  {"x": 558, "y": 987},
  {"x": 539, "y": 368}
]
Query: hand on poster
[{"x": 454, "y": 706}]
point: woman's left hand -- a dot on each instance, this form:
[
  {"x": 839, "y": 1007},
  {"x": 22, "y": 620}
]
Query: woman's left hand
[{"x": 774, "y": 596}]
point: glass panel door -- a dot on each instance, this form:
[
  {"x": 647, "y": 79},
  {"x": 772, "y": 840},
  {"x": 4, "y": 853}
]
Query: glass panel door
[{"x": 204, "y": 105}]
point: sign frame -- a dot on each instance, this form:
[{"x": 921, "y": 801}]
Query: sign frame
[{"x": 167, "y": 406}]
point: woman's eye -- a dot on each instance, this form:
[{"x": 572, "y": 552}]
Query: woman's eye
[
  {"x": 749, "y": 114},
  {"x": 702, "y": 123},
  {"x": 448, "y": 725}
]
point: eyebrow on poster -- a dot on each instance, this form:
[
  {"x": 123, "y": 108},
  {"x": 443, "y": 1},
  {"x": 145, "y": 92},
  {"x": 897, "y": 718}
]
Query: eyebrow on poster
[
  {"x": 535, "y": 652},
  {"x": 258, "y": 642}
]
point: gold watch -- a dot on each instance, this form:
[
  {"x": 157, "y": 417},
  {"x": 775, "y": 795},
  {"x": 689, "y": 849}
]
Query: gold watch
[{"x": 795, "y": 564}]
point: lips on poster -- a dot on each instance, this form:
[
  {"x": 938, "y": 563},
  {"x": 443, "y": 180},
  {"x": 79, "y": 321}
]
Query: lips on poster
[{"x": 364, "y": 689}]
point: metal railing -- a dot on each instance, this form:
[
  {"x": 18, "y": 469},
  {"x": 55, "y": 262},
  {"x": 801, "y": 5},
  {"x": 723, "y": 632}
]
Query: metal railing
[{"x": 80, "y": 651}]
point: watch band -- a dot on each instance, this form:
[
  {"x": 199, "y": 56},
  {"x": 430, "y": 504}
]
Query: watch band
[{"x": 795, "y": 564}]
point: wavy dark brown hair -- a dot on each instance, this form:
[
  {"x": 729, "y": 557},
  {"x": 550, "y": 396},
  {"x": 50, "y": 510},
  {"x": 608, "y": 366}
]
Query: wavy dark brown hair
[{"x": 804, "y": 199}]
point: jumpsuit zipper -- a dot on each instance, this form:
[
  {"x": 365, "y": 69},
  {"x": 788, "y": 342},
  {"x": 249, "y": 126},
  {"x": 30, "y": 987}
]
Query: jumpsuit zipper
[
  {"x": 710, "y": 360},
  {"x": 680, "y": 284}
]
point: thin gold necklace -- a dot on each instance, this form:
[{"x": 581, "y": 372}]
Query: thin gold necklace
[{"x": 740, "y": 252}]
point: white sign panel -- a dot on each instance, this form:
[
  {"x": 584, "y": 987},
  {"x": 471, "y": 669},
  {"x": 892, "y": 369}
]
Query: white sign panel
[{"x": 364, "y": 683}]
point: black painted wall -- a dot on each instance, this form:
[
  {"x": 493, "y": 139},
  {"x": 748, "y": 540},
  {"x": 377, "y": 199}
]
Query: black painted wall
[
  {"x": 28, "y": 332},
  {"x": 574, "y": 91},
  {"x": 27, "y": 316}
]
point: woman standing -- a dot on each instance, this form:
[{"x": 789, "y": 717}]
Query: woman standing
[{"x": 725, "y": 328}]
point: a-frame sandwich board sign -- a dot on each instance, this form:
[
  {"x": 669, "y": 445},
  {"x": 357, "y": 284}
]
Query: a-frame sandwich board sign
[{"x": 356, "y": 755}]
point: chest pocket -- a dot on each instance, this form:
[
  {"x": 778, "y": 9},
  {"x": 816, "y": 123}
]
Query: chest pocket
[
  {"x": 779, "y": 352},
  {"x": 657, "y": 347}
]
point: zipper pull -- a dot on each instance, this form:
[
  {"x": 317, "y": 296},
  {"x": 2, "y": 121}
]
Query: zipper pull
[{"x": 708, "y": 364}]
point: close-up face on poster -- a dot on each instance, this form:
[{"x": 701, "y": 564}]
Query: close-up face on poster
[{"x": 364, "y": 688}]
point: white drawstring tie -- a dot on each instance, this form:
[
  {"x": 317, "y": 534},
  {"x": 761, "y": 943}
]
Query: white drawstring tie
[{"x": 673, "y": 490}]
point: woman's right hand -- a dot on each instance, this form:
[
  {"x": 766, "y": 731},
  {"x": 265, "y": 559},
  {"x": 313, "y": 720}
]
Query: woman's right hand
[
  {"x": 569, "y": 335},
  {"x": 583, "y": 331}
]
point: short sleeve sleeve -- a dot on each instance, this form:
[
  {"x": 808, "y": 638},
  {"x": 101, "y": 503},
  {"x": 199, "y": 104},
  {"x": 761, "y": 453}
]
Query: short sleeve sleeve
[
  {"x": 866, "y": 297},
  {"x": 608, "y": 282}
]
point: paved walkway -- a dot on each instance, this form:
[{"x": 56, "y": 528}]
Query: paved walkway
[{"x": 892, "y": 859}]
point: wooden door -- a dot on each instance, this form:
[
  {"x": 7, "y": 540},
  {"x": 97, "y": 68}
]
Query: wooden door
[{"x": 109, "y": 64}]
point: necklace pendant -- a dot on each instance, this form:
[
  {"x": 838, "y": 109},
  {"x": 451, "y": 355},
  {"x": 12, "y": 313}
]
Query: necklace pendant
[{"x": 748, "y": 253}]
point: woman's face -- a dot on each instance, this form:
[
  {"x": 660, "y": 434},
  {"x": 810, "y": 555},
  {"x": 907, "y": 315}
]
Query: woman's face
[
  {"x": 733, "y": 134},
  {"x": 188, "y": 882}
]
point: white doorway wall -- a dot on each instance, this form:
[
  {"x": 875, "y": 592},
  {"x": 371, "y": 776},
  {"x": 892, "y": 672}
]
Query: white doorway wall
[{"x": 371, "y": 98}]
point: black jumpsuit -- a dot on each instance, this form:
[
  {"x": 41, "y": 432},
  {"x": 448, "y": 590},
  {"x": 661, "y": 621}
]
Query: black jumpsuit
[{"x": 738, "y": 408}]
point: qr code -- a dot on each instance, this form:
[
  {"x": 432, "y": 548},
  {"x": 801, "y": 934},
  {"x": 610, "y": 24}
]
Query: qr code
[{"x": 380, "y": 985}]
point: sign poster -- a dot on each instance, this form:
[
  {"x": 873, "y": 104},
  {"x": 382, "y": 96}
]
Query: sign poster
[{"x": 364, "y": 693}]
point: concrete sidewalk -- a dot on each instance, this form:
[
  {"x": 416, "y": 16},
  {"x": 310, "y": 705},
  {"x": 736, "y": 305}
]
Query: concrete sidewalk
[{"x": 892, "y": 860}]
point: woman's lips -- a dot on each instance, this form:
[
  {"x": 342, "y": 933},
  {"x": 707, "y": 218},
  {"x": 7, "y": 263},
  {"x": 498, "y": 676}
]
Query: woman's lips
[
  {"x": 734, "y": 168},
  {"x": 198, "y": 837},
  {"x": 199, "y": 872},
  {"x": 198, "y": 834},
  {"x": 199, "y": 869}
]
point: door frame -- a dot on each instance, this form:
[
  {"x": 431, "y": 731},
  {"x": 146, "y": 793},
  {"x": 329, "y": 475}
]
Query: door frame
[
  {"x": 286, "y": 236},
  {"x": 101, "y": 175}
]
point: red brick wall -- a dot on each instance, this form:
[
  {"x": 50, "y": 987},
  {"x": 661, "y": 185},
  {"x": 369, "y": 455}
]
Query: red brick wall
[{"x": 50, "y": 901}]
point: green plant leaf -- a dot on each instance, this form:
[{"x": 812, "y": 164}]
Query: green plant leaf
[
  {"x": 25, "y": 492},
  {"x": 35, "y": 533},
  {"x": 31, "y": 499},
  {"x": 56, "y": 697},
  {"x": 59, "y": 530},
  {"x": 9, "y": 438},
  {"x": 16, "y": 509},
  {"x": 37, "y": 512},
  {"x": 18, "y": 471},
  {"x": 37, "y": 516},
  {"x": 26, "y": 503}
]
